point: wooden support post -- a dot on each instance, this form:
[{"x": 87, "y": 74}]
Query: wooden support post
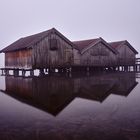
[
  {"x": 6, "y": 72},
  {"x": 41, "y": 72},
  {"x": 114, "y": 68},
  {"x": 23, "y": 73},
  {"x": 69, "y": 70},
  {"x": 125, "y": 68},
  {"x": 2, "y": 72},
  {"x": 118, "y": 68},
  {"x": 46, "y": 70},
  {"x": 31, "y": 72},
  {"x": 121, "y": 68},
  {"x": 134, "y": 68},
  {"x": 128, "y": 68},
  {"x": 16, "y": 72}
]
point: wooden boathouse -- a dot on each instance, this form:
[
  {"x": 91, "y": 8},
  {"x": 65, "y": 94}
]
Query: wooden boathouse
[
  {"x": 96, "y": 53},
  {"x": 44, "y": 51},
  {"x": 126, "y": 57},
  {"x": 50, "y": 50}
]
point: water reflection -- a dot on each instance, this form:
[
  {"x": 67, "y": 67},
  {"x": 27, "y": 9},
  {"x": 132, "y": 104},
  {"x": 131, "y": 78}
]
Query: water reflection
[{"x": 53, "y": 93}]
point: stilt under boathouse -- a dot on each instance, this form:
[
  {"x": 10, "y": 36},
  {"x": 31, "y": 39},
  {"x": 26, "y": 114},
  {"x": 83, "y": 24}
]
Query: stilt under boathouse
[{"x": 51, "y": 50}]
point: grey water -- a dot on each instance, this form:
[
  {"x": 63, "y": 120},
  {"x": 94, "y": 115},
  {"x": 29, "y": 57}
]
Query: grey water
[{"x": 98, "y": 106}]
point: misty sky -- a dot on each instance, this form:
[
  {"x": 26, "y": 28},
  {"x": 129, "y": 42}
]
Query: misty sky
[{"x": 77, "y": 19}]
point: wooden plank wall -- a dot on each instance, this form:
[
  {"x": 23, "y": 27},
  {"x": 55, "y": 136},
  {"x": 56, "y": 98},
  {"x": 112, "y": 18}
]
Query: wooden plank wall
[
  {"x": 126, "y": 56},
  {"x": 59, "y": 53},
  {"x": 18, "y": 59},
  {"x": 43, "y": 56},
  {"x": 98, "y": 55}
]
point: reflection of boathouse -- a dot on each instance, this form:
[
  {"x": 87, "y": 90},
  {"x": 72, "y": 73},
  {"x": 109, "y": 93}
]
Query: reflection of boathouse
[{"x": 53, "y": 94}]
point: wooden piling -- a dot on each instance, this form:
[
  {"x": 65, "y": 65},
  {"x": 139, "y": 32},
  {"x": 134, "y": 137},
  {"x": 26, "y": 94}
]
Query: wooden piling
[
  {"x": 16, "y": 72},
  {"x": 23, "y": 73},
  {"x": 31, "y": 72},
  {"x": 41, "y": 72}
]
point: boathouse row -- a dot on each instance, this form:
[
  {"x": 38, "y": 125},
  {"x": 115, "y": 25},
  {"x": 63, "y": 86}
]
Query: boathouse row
[
  {"x": 96, "y": 52},
  {"x": 51, "y": 49}
]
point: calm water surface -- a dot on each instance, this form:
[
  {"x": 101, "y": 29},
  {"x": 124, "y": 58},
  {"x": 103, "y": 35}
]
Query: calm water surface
[{"x": 103, "y": 106}]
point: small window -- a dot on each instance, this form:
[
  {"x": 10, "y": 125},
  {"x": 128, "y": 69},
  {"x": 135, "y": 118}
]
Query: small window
[{"x": 53, "y": 44}]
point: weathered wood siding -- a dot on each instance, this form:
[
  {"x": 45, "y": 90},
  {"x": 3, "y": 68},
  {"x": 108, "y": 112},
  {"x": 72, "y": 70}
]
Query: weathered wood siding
[
  {"x": 77, "y": 57},
  {"x": 59, "y": 55},
  {"x": 126, "y": 56},
  {"x": 98, "y": 55},
  {"x": 18, "y": 59},
  {"x": 52, "y": 51}
]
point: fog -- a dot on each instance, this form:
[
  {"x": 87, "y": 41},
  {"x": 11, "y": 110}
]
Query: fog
[{"x": 76, "y": 19}]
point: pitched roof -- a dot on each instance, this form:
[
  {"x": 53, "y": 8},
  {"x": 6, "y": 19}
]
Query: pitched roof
[
  {"x": 118, "y": 44},
  {"x": 83, "y": 45},
  {"x": 29, "y": 41}
]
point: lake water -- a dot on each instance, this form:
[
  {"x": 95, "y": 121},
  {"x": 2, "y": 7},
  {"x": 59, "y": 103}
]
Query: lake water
[{"x": 101, "y": 106}]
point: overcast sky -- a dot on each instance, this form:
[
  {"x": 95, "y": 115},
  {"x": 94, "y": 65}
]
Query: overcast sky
[{"x": 77, "y": 19}]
